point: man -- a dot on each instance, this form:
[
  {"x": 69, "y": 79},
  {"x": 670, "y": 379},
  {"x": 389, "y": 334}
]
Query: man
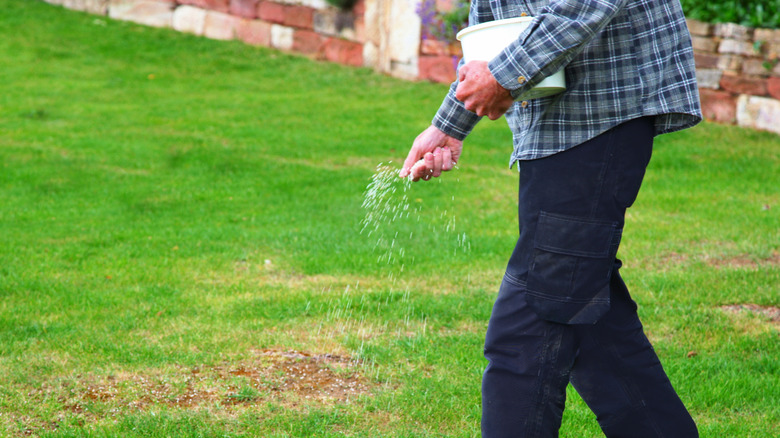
[{"x": 563, "y": 313}]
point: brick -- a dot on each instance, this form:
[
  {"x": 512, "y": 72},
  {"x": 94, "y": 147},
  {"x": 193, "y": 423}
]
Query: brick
[
  {"x": 301, "y": 17},
  {"x": 439, "y": 68},
  {"x": 255, "y": 32},
  {"x": 730, "y": 63},
  {"x": 718, "y": 106},
  {"x": 189, "y": 19},
  {"x": 212, "y": 5},
  {"x": 343, "y": 51},
  {"x": 756, "y": 67},
  {"x": 430, "y": 46},
  {"x": 148, "y": 13},
  {"x": 282, "y": 37},
  {"x": 307, "y": 41},
  {"x": 220, "y": 26},
  {"x": 708, "y": 78},
  {"x": 733, "y": 31},
  {"x": 759, "y": 113},
  {"x": 243, "y": 8},
  {"x": 773, "y": 87},
  {"x": 737, "y": 47},
  {"x": 744, "y": 85},
  {"x": 271, "y": 12},
  {"x": 767, "y": 35},
  {"x": 699, "y": 28},
  {"x": 704, "y": 44}
]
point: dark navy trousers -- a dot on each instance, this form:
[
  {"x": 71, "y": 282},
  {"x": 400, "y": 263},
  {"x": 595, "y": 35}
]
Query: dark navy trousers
[{"x": 563, "y": 313}]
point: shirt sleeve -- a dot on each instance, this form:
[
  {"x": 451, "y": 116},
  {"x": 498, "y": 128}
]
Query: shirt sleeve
[
  {"x": 556, "y": 35},
  {"x": 453, "y": 118}
]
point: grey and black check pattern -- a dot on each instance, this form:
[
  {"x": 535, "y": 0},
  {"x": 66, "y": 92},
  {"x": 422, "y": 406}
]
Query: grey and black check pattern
[{"x": 623, "y": 59}]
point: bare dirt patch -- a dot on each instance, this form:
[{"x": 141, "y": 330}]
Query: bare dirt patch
[
  {"x": 771, "y": 313},
  {"x": 282, "y": 377},
  {"x": 744, "y": 261}
]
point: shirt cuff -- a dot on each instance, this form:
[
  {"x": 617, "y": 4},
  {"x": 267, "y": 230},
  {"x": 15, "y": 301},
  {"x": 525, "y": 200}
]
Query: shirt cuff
[
  {"x": 516, "y": 78},
  {"x": 453, "y": 118}
]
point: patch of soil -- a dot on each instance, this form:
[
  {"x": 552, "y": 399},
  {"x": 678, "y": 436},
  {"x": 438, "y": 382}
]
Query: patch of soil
[
  {"x": 290, "y": 378},
  {"x": 745, "y": 261},
  {"x": 770, "y": 312}
]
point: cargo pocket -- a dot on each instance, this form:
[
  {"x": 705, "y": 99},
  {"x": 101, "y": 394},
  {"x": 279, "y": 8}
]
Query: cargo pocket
[{"x": 573, "y": 258}]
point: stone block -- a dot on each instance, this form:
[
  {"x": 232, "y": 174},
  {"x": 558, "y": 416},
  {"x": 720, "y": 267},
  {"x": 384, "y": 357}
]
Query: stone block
[
  {"x": 343, "y": 51},
  {"x": 759, "y": 113},
  {"x": 255, "y": 32},
  {"x": 708, "y": 78},
  {"x": 737, "y": 47},
  {"x": 430, "y": 46},
  {"x": 146, "y": 12},
  {"x": 282, "y": 37},
  {"x": 744, "y": 85},
  {"x": 271, "y": 12},
  {"x": 243, "y": 8},
  {"x": 315, "y": 4},
  {"x": 212, "y": 5},
  {"x": 189, "y": 19},
  {"x": 730, "y": 63},
  {"x": 718, "y": 106},
  {"x": 756, "y": 67},
  {"x": 370, "y": 55},
  {"x": 767, "y": 35},
  {"x": 771, "y": 50},
  {"x": 301, "y": 17},
  {"x": 99, "y": 7},
  {"x": 773, "y": 87},
  {"x": 220, "y": 26},
  {"x": 733, "y": 31},
  {"x": 699, "y": 28},
  {"x": 704, "y": 44},
  {"x": 438, "y": 68},
  {"x": 307, "y": 41}
]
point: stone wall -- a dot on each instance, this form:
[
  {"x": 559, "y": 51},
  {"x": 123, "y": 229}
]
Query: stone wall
[
  {"x": 737, "y": 66},
  {"x": 381, "y": 34},
  {"x": 739, "y": 74}
]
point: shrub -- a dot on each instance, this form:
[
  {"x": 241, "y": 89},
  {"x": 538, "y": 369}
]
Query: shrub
[{"x": 753, "y": 13}]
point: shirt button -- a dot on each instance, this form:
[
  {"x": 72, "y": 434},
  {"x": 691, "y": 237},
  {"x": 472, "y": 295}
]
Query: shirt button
[
  {"x": 521, "y": 80},
  {"x": 524, "y": 103}
]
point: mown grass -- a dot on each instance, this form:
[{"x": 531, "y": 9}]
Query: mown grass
[{"x": 181, "y": 215}]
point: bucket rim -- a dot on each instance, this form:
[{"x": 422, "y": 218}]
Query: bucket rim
[{"x": 489, "y": 24}]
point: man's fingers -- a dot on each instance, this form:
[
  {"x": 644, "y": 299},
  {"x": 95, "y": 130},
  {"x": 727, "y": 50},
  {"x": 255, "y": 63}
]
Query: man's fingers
[
  {"x": 437, "y": 162},
  {"x": 446, "y": 159},
  {"x": 428, "y": 169}
]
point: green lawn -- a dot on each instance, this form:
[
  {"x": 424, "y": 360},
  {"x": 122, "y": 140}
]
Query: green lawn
[{"x": 181, "y": 250}]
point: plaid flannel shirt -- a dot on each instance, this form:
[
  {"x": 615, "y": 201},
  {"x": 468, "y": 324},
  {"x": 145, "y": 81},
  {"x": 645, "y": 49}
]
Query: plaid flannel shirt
[{"x": 623, "y": 59}]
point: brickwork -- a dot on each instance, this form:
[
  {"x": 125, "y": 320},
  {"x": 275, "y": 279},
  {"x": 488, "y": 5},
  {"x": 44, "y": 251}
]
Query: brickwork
[
  {"x": 738, "y": 67},
  {"x": 738, "y": 70}
]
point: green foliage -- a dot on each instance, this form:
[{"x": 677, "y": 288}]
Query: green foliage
[
  {"x": 342, "y": 4},
  {"x": 753, "y": 13}
]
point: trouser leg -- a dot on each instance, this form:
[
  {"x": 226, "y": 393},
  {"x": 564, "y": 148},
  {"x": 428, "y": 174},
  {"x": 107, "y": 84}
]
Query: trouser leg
[
  {"x": 524, "y": 384},
  {"x": 619, "y": 376},
  {"x": 572, "y": 207}
]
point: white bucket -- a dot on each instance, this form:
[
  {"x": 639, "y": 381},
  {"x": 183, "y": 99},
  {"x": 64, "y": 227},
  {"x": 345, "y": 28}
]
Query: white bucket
[{"x": 485, "y": 41}]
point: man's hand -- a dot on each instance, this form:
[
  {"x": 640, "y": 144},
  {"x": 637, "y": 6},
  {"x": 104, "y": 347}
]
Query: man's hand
[
  {"x": 439, "y": 151},
  {"x": 480, "y": 92}
]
